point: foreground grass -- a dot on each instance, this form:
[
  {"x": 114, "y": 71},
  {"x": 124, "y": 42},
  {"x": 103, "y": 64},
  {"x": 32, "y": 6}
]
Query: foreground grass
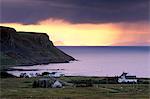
[{"x": 21, "y": 88}]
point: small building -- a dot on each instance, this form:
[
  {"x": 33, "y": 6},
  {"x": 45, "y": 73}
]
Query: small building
[
  {"x": 55, "y": 74},
  {"x": 57, "y": 84},
  {"x": 127, "y": 79}
]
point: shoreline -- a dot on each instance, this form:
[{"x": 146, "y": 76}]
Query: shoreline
[
  {"x": 18, "y": 69},
  {"x": 11, "y": 68},
  {"x": 74, "y": 76}
]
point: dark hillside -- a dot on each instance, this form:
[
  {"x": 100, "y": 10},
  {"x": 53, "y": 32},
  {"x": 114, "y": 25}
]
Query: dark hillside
[{"x": 28, "y": 48}]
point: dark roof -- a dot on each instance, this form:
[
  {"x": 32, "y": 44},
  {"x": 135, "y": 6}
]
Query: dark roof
[
  {"x": 130, "y": 77},
  {"x": 124, "y": 74},
  {"x": 127, "y": 77}
]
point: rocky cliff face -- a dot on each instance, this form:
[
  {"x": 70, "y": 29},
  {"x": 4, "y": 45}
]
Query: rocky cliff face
[{"x": 28, "y": 48}]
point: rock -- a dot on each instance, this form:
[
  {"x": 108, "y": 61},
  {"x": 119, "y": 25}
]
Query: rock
[{"x": 28, "y": 48}]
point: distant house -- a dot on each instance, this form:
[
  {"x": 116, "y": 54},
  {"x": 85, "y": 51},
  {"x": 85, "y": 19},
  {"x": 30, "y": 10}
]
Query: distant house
[
  {"x": 55, "y": 74},
  {"x": 127, "y": 79}
]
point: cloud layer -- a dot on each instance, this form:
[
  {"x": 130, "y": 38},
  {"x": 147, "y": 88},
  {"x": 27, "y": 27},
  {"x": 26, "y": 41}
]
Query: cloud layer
[{"x": 74, "y": 11}]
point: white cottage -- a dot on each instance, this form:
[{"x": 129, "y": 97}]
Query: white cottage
[
  {"x": 127, "y": 79},
  {"x": 55, "y": 74}
]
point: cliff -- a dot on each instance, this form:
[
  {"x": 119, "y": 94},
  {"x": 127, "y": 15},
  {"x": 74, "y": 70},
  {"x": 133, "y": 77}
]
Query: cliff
[{"x": 28, "y": 48}]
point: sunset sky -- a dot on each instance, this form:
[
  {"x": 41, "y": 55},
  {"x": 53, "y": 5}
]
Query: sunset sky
[{"x": 81, "y": 22}]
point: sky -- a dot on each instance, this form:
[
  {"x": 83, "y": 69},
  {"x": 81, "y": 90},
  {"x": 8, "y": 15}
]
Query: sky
[{"x": 81, "y": 22}]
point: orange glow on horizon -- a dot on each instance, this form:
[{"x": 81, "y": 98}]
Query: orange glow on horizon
[{"x": 68, "y": 34}]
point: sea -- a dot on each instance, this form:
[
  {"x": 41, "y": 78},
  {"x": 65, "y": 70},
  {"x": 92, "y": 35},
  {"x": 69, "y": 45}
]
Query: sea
[{"x": 98, "y": 61}]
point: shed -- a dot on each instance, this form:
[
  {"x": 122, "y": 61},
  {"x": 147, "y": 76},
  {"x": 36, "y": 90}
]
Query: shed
[
  {"x": 47, "y": 83},
  {"x": 57, "y": 84}
]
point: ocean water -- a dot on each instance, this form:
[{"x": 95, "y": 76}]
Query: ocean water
[{"x": 99, "y": 61}]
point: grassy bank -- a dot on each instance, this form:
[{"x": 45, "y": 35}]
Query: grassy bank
[{"x": 20, "y": 88}]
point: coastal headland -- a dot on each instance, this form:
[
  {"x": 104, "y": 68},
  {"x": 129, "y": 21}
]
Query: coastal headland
[{"x": 20, "y": 48}]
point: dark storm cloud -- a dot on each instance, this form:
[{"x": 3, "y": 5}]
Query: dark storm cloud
[{"x": 75, "y": 11}]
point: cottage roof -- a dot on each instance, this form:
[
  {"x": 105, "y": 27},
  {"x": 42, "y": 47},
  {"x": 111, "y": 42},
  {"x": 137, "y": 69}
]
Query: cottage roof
[
  {"x": 130, "y": 77},
  {"x": 124, "y": 74},
  {"x": 127, "y": 77}
]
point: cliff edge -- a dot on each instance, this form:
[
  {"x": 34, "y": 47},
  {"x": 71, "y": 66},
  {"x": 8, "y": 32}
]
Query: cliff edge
[{"x": 28, "y": 48}]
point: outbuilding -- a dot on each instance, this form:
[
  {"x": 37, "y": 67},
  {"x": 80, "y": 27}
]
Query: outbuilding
[
  {"x": 47, "y": 83},
  {"x": 57, "y": 84}
]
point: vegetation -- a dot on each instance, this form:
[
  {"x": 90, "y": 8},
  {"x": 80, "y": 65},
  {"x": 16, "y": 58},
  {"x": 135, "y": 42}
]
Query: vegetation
[{"x": 19, "y": 88}]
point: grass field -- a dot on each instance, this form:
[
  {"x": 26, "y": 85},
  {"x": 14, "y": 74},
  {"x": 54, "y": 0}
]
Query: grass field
[{"x": 21, "y": 88}]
